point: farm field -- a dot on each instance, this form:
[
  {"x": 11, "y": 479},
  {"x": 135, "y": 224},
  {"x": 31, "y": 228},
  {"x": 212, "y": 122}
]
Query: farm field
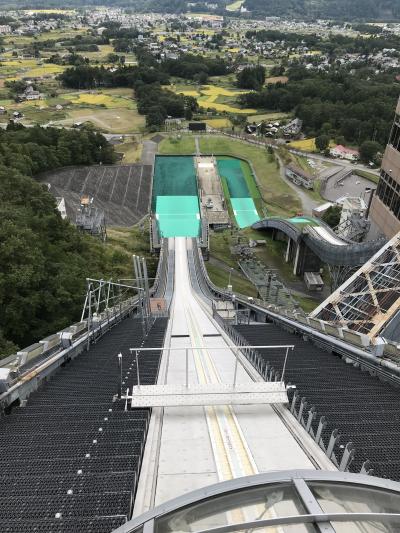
[
  {"x": 276, "y": 79},
  {"x": 214, "y": 97},
  {"x": 235, "y": 6},
  {"x": 308, "y": 145},
  {"x": 13, "y": 69},
  {"x": 219, "y": 123},
  {"x": 112, "y": 110},
  {"x": 269, "y": 117}
]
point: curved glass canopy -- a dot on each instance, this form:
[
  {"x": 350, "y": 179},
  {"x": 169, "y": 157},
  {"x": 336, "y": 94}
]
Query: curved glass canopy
[{"x": 298, "y": 501}]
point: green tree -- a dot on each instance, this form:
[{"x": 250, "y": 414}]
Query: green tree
[
  {"x": 369, "y": 151},
  {"x": 332, "y": 216},
  {"x": 322, "y": 142},
  {"x": 251, "y": 78}
]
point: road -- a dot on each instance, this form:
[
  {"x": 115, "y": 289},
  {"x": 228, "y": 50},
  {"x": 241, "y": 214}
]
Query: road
[
  {"x": 149, "y": 152},
  {"x": 307, "y": 202}
]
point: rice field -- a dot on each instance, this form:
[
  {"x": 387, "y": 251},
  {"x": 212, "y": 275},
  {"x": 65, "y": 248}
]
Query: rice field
[
  {"x": 308, "y": 145},
  {"x": 219, "y": 122},
  {"x": 209, "y": 96},
  {"x": 102, "y": 99},
  {"x": 15, "y": 69},
  {"x": 276, "y": 79}
]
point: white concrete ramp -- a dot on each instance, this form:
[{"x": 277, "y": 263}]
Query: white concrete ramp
[{"x": 197, "y": 441}]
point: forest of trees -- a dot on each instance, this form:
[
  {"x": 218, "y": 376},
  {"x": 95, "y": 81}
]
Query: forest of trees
[
  {"x": 332, "y": 43},
  {"x": 251, "y": 78},
  {"x": 367, "y": 10},
  {"x": 35, "y": 150},
  {"x": 44, "y": 261},
  {"x": 348, "y": 107}
]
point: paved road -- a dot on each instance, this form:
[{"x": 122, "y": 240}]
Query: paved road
[
  {"x": 351, "y": 186},
  {"x": 149, "y": 152},
  {"x": 307, "y": 202}
]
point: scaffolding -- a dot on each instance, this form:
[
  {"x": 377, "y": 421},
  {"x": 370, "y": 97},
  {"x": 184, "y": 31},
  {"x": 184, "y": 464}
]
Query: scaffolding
[
  {"x": 90, "y": 219},
  {"x": 370, "y": 298}
]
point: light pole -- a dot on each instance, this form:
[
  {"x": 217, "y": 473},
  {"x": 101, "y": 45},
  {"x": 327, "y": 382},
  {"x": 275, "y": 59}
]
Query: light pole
[
  {"x": 120, "y": 380},
  {"x": 230, "y": 275}
]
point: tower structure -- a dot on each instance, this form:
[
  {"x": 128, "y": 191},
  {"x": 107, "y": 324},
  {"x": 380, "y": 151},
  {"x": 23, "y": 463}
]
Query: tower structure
[{"x": 385, "y": 206}]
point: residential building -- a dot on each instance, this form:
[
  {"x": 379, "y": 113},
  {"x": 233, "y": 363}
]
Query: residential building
[
  {"x": 30, "y": 94},
  {"x": 299, "y": 176},
  {"x": 293, "y": 128},
  {"x": 344, "y": 153}
]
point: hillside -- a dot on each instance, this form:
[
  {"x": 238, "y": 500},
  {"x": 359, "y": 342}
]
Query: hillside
[
  {"x": 44, "y": 260},
  {"x": 326, "y": 9}
]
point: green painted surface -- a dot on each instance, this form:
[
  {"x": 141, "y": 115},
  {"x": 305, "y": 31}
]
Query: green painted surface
[
  {"x": 236, "y": 174},
  {"x": 178, "y": 216},
  {"x": 245, "y": 211},
  {"x": 174, "y": 176},
  {"x": 175, "y": 199},
  {"x": 231, "y": 170},
  {"x": 303, "y": 220}
]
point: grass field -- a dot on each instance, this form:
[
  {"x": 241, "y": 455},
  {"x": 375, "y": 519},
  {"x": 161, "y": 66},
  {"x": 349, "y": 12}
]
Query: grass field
[
  {"x": 239, "y": 283},
  {"x": 235, "y": 6},
  {"x": 174, "y": 146},
  {"x": 111, "y": 110},
  {"x": 109, "y": 120},
  {"x": 132, "y": 151},
  {"x": 367, "y": 175},
  {"x": 123, "y": 242},
  {"x": 27, "y": 68},
  {"x": 279, "y": 197}
]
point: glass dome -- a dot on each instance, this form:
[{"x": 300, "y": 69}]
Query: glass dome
[{"x": 282, "y": 502}]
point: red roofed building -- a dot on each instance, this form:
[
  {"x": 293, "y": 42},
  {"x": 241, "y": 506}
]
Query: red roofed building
[{"x": 344, "y": 153}]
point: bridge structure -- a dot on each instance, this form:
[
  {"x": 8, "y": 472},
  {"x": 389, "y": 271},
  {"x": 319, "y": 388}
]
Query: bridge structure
[
  {"x": 145, "y": 405},
  {"x": 311, "y": 243}
]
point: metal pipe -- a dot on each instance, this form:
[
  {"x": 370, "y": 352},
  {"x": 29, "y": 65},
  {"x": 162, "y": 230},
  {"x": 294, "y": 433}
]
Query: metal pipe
[
  {"x": 187, "y": 368},
  {"x": 137, "y": 368},
  {"x": 89, "y": 318},
  {"x": 120, "y": 375},
  {"x": 284, "y": 364},
  {"x": 236, "y": 367}
]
